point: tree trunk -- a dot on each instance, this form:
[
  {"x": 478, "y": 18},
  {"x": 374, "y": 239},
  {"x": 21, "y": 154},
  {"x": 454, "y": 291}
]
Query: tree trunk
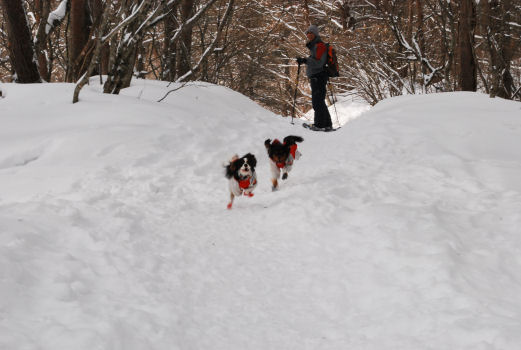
[
  {"x": 98, "y": 44},
  {"x": 20, "y": 46},
  {"x": 120, "y": 72},
  {"x": 43, "y": 8},
  {"x": 140, "y": 61},
  {"x": 170, "y": 47},
  {"x": 420, "y": 38},
  {"x": 185, "y": 47},
  {"x": 120, "y": 75},
  {"x": 500, "y": 46},
  {"x": 467, "y": 74},
  {"x": 79, "y": 37},
  {"x": 104, "y": 59}
]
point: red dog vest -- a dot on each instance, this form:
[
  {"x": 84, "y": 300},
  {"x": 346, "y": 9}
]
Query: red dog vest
[
  {"x": 292, "y": 151},
  {"x": 246, "y": 183}
]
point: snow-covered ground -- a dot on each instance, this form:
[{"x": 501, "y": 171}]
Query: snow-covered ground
[
  {"x": 345, "y": 109},
  {"x": 401, "y": 230}
]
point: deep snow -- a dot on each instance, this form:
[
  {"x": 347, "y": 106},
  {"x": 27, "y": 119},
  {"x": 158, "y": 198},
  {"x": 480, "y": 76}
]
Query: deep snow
[{"x": 402, "y": 230}]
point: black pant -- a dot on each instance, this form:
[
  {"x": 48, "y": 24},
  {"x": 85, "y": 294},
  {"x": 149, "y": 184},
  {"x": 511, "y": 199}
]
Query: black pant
[{"x": 318, "y": 84}]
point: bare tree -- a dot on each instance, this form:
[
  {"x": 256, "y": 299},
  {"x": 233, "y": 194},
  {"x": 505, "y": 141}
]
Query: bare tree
[
  {"x": 499, "y": 28},
  {"x": 20, "y": 43},
  {"x": 95, "y": 57},
  {"x": 169, "y": 55},
  {"x": 80, "y": 38},
  {"x": 47, "y": 22},
  {"x": 42, "y": 13},
  {"x": 467, "y": 74},
  {"x": 133, "y": 27},
  {"x": 185, "y": 44}
]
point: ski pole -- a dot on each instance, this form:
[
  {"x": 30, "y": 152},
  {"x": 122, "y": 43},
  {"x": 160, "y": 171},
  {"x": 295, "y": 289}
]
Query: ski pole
[
  {"x": 295, "y": 95},
  {"x": 334, "y": 102}
]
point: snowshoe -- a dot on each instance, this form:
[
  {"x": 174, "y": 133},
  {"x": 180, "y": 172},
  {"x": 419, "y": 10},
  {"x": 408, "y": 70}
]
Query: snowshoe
[{"x": 315, "y": 128}]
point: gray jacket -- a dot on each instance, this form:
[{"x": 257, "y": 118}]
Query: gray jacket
[{"x": 315, "y": 65}]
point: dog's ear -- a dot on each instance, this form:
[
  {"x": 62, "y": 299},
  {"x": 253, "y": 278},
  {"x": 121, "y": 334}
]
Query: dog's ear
[
  {"x": 251, "y": 160},
  {"x": 291, "y": 139},
  {"x": 233, "y": 164},
  {"x": 231, "y": 167},
  {"x": 267, "y": 143}
]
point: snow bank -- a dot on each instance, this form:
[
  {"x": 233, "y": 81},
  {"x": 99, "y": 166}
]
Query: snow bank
[
  {"x": 345, "y": 109},
  {"x": 399, "y": 231}
]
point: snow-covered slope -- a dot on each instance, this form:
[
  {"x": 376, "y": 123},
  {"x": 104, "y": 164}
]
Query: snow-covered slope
[{"x": 402, "y": 230}]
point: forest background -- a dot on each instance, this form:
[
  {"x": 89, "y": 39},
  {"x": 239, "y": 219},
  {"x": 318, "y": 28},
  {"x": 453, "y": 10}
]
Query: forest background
[{"x": 385, "y": 47}]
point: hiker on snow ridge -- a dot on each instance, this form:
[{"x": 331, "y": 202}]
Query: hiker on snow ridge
[{"x": 318, "y": 77}]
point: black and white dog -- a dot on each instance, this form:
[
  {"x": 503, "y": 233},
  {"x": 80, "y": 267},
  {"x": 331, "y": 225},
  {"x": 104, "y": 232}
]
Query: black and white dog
[
  {"x": 242, "y": 176},
  {"x": 282, "y": 156}
]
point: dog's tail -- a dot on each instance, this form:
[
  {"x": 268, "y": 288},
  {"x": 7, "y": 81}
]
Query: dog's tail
[{"x": 291, "y": 139}]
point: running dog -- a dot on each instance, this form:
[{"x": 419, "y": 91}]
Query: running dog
[
  {"x": 242, "y": 176},
  {"x": 282, "y": 155}
]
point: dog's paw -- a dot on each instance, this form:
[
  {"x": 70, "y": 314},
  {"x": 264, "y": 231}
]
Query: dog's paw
[
  {"x": 284, "y": 176},
  {"x": 229, "y": 206},
  {"x": 274, "y": 188}
]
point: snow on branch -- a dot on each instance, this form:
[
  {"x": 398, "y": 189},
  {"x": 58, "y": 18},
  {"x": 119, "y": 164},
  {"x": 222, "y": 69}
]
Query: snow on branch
[
  {"x": 133, "y": 16},
  {"x": 56, "y": 16},
  {"x": 191, "y": 21}
]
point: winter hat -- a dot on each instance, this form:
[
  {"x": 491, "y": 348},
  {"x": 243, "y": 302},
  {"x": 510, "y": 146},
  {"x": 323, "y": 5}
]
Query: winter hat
[{"x": 313, "y": 29}]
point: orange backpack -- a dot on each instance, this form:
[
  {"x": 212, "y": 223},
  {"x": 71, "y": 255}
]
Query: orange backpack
[{"x": 331, "y": 66}]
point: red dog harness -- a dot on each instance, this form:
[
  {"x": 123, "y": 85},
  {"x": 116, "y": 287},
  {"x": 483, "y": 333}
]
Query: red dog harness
[{"x": 247, "y": 183}]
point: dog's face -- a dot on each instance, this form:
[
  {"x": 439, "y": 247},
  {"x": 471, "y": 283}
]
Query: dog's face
[
  {"x": 242, "y": 168},
  {"x": 245, "y": 168},
  {"x": 277, "y": 151}
]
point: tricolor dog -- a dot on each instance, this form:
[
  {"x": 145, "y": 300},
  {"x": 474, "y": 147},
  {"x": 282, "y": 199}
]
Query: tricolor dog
[
  {"x": 242, "y": 176},
  {"x": 282, "y": 155}
]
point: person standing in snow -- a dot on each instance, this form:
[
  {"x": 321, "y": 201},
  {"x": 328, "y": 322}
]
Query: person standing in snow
[{"x": 318, "y": 77}]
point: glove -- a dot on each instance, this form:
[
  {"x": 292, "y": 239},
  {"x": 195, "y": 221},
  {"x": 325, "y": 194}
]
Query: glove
[{"x": 301, "y": 60}]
